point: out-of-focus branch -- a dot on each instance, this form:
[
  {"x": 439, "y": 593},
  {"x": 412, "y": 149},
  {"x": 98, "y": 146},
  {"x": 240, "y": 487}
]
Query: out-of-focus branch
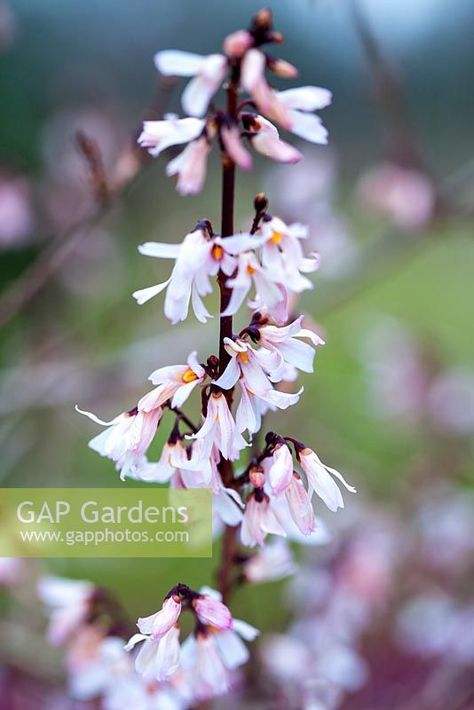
[
  {"x": 107, "y": 191},
  {"x": 402, "y": 145}
]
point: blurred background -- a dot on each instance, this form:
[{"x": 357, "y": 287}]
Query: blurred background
[{"x": 389, "y": 203}]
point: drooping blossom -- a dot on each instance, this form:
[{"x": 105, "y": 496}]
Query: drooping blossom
[
  {"x": 208, "y": 72},
  {"x": 159, "y": 656},
  {"x": 272, "y": 562},
  {"x": 199, "y": 257},
  {"x": 250, "y": 271},
  {"x": 173, "y": 382},
  {"x": 265, "y": 139},
  {"x": 282, "y": 254},
  {"x": 259, "y": 520},
  {"x": 280, "y": 468},
  {"x": 126, "y": 438},
  {"x": 285, "y": 342},
  {"x": 212, "y": 612},
  {"x": 320, "y": 479},
  {"x": 68, "y": 604},
  {"x": 219, "y": 429}
]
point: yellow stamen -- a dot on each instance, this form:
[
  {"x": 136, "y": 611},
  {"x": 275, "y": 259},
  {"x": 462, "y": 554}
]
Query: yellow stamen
[
  {"x": 217, "y": 252},
  {"x": 250, "y": 270},
  {"x": 189, "y": 376},
  {"x": 244, "y": 357},
  {"x": 276, "y": 237}
]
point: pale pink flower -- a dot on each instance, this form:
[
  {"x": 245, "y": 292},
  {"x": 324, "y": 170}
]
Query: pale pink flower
[
  {"x": 197, "y": 258},
  {"x": 279, "y": 469},
  {"x": 252, "y": 407},
  {"x": 297, "y": 106},
  {"x": 190, "y": 166},
  {"x": 299, "y": 504},
  {"x": 208, "y": 72},
  {"x": 158, "y": 624},
  {"x": 283, "y": 256},
  {"x": 126, "y": 438},
  {"x": 68, "y": 604},
  {"x": 259, "y": 520},
  {"x": 273, "y": 561},
  {"x": 250, "y": 271},
  {"x": 266, "y": 140},
  {"x": 158, "y": 658},
  {"x": 174, "y": 382},
  {"x": 237, "y": 43},
  {"x": 254, "y": 81},
  {"x": 285, "y": 341},
  {"x": 320, "y": 479},
  {"x": 159, "y": 135},
  {"x": 404, "y": 195},
  {"x": 212, "y": 612},
  {"x": 219, "y": 429},
  {"x": 209, "y": 658},
  {"x": 233, "y": 145}
]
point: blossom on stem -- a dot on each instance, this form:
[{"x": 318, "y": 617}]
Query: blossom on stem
[
  {"x": 259, "y": 520},
  {"x": 126, "y": 438},
  {"x": 285, "y": 342},
  {"x": 299, "y": 504},
  {"x": 283, "y": 255},
  {"x": 208, "y": 72},
  {"x": 212, "y": 612},
  {"x": 174, "y": 382},
  {"x": 265, "y": 139},
  {"x": 279, "y": 469},
  {"x": 200, "y": 256},
  {"x": 219, "y": 429},
  {"x": 249, "y": 270},
  {"x": 320, "y": 479},
  {"x": 159, "y": 135}
]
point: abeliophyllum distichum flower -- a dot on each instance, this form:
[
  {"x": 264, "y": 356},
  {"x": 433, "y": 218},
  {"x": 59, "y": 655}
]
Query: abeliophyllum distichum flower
[{"x": 275, "y": 493}]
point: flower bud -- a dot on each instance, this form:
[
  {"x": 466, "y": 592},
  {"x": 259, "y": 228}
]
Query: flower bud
[{"x": 236, "y": 44}]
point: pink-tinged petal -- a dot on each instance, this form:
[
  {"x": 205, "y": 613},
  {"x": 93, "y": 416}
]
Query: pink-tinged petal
[
  {"x": 160, "y": 250},
  {"x": 233, "y": 651},
  {"x": 174, "y": 62},
  {"x": 306, "y": 98},
  {"x": 253, "y": 69},
  {"x": 283, "y": 69},
  {"x": 201, "y": 89},
  {"x": 236, "y": 44},
  {"x": 320, "y": 480},
  {"x": 145, "y": 294},
  {"x": 162, "y": 621},
  {"x": 213, "y": 613},
  {"x": 190, "y": 166},
  {"x": 230, "y": 375},
  {"x": 132, "y": 642},
  {"x": 299, "y": 503},
  {"x": 96, "y": 419},
  {"x": 245, "y": 630},
  {"x": 159, "y": 135},
  {"x": 281, "y": 470},
  {"x": 234, "y": 147},
  {"x": 309, "y": 127},
  {"x": 267, "y": 142}
]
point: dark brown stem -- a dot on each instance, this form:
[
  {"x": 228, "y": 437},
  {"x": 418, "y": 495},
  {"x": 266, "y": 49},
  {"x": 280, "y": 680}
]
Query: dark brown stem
[{"x": 226, "y": 469}]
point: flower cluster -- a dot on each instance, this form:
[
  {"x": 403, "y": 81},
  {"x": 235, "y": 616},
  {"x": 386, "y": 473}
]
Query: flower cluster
[
  {"x": 243, "y": 65},
  {"x": 265, "y": 268},
  {"x": 208, "y": 656}
]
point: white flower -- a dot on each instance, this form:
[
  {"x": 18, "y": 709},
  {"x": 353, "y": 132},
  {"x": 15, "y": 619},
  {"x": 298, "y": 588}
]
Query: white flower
[
  {"x": 190, "y": 166},
  {"x": 249, "y": 270},
  {"x": 219, "y": 429},
  {"x": 272, "y": 562},
  {"x": 320, "y": 480},
  {"x": 210, "y": 658},
  {"x": 208, "y": 72},
  {"x": 68, "y": 603},
  {"x": 159, "y": 135},
  {"x": 266, "y": 140},
  {"x": 252, "y": 407},
  {"x": 282, "y": 254},
  {"x": 279, "y": 468},
  {"x": 297, "y": 106},
  {"x": 299, "y": 504},
  {"x": 126, "y": 438},
  {"x": 158, "y": 658},
  {"x": 159, "y": 655},
  {"x": 175, "y": 382},
  {"x": 259, "y": 520},
  {"x": 198, "y": 257},
  {"x": 285, "y": 341}
]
